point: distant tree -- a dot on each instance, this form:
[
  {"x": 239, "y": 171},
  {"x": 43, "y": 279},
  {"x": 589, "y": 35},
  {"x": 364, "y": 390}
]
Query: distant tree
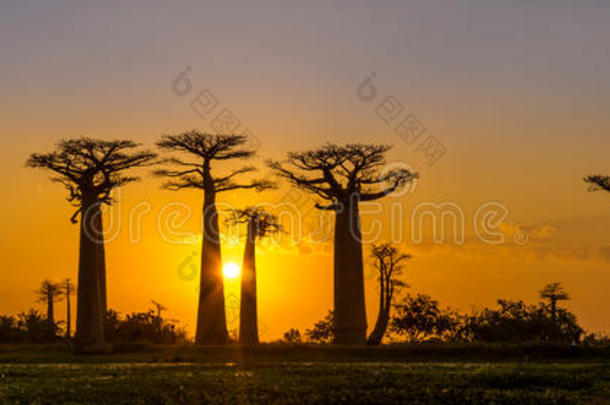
[
  {"x": 260, "y": 223},
  {"x": 147, "y": 326},
  {"x": 49, "y": 293},
  {"x": 68, "y": 291},
  {"x": 554, "y": 292},
  {"x": 197, "y": 173},
  {"x": 598, "y": 182},
  {"x": 10, "y": 332},
  {"x": 344, "y": 176},
  {"x": 293, "y": 336},
  {"x": 388, "y": 262},
  {"x": 323, "y": 331},
  {"x": 417, "y": 317},
  {"x": 90, "y": 169}
]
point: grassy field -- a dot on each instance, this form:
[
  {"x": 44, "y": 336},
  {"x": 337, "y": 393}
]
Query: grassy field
[{"x": 284, "y": 375}]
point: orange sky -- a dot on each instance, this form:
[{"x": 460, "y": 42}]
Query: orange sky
[{"x": 518, "y": 95}]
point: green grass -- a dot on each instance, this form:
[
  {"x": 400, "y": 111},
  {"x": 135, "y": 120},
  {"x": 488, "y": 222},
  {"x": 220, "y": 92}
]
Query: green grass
[
  {"x": 428, "y": 383},
  {"x": 285, "y": 374}
]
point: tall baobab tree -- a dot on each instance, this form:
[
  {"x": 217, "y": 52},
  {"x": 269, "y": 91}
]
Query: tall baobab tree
[
  {"x": 598, "y": 182},
  {"x": 344, "y": 176},
  {"x": 389, "y": 263},
  {"x": 554, "y": 292},
  {"x": 68, "y": 291},
  {"x": 204, "y": 149},
  {"x": 260, "y": 224},
  {"x": 49, "y": 292},
  {"x": 90, "y": 169}
]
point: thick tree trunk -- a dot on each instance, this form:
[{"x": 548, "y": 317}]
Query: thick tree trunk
[
  {"x": 89, "y": 327},
  {"x": 383, "y": 317},
  {"x": 350, "y": 311},
  {"x": 211, "y": 317},
  {"x": 68, "y": 314},
  {"x": 50, "y": 318},
  {"x": 99, "y": 226},
  {"x": 248, "y": 316}
]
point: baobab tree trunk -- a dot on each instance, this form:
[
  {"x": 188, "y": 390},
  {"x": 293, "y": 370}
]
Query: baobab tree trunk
[
  {"x": 248, "y": 316},
  {"x": 89, "y": 324},
  {"x": 68, "y": 312},
  {"x": 50, "y": 317},
  {"x": 101, "y": 257},
  {"x": 211, "y": 317},
  {"x": 383, "y": 317},
  {"x": 350, "y": 311}
]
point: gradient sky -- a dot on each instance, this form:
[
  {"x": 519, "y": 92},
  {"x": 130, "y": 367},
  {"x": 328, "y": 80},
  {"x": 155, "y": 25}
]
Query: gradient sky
[{"x": 517, "y": 92}]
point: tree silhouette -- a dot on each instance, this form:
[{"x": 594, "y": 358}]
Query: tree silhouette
[
  {"x": 49, "y": 293},
  {"x": 554, "y": 292},
  {"x": 389, "y": 263},
  {"x": 598, "y": 182},
  {"x": 260, "y": 224},
  {"x": 345, "y": 176},
  {"x": 206, "y": 148},
  {"x": 90, "y": 169},
  {"x": 68, "y": 291}
]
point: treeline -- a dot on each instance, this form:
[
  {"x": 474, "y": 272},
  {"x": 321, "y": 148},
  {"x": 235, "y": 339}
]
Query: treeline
[
  {"x": 419, "y": 318},
  {"x": 36, "y": 327}
]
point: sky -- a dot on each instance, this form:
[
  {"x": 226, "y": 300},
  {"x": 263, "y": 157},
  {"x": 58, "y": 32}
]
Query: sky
[{"x": 515, "y": 94}]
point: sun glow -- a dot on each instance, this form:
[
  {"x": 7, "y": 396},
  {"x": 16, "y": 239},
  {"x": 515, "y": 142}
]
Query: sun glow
[{"x": 230, "y": 270}]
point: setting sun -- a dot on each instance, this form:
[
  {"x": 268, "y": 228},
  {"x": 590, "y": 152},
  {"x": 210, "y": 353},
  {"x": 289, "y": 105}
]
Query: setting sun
[{"x": 230, "y": 270}]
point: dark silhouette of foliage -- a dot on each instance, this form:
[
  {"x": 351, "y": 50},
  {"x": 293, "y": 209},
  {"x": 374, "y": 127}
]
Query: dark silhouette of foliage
[
  {"x": 417, "y": 317},
  {"x": 204, "y": 149},
  {"x": 149, "y": 327},
  {"x": 34, "y": 327},
  {"x": 90, "y": 169},
  {"x": 598, "y": 182},
  {"x": 389, "y": 264},
  {"x": 293, "y": 336},
  {"x": 342, "y": 177},
  {"x": 323, "y": 331},
  {"x": 49, "y": 293},
  {"x": 260, "y": 223}
]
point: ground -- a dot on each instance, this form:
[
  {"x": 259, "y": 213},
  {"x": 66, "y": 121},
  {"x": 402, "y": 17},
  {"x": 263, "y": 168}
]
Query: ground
[{"x": 285, "y": 375}]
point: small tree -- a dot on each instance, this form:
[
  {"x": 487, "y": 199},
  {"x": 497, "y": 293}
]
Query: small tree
[
  {"x": 323, "y": 331},
  {"x": 417, "y": 317},
  {"x": 389, "y": 264},
  {"x": 598, "y": 182},
  {"x": 68, "y": 290},
  {"x": 293, "y": 336},
  {"x": 49, "y": 293},
  {"x": 260, "y": 224},
  {"x": 344, "y": 176},
  {"x": 554, "y": 292},
  {"x": 90, "y": 169},
  {"x": 205, "y": 149}
]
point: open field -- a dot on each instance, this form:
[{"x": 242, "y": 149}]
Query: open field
[{"x": 280, "y": 374}]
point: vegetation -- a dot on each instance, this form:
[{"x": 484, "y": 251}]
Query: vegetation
[
  {"x": 205, "y": 149},
  {"x": 260, "y": 223},
  {"x": 90, "y": 169},
  {"x": 342, "y": 177},
  {"x": 598, "y": 182},
  {"x": 306, "y": 383}
]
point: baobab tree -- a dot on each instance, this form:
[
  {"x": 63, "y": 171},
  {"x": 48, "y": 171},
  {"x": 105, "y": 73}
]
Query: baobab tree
[
  {"x": 554, "y": 292},
  {"x": 260, "y": 223},
  {"x": 598, "y": 182},
  {"x": 90, "y": 169},
  {"x": 68, "y": 291},
  {"x": 49, "y": 292},
  {"x": 344, "y": 176},
  {"x": 388, "y": 262},
  {"x": 204, "y": 149}
]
